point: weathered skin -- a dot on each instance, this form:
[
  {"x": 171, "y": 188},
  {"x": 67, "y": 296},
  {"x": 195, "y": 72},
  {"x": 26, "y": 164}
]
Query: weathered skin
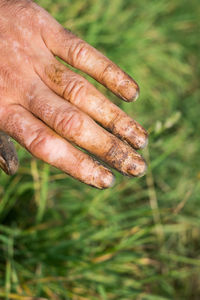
[{"x": 49, "y": 109}]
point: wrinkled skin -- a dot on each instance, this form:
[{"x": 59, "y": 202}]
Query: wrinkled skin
[{"x": 49, "y": 109}]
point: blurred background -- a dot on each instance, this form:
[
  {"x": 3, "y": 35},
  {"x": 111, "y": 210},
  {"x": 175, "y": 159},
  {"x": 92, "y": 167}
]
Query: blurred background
[{"x": 60, "y": 239}]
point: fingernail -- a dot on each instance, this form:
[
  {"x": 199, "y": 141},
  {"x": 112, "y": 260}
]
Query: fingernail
[
  {"x": 11, "y": 167},
  {"x": 128, "y": 90},
  {"x": 104, "y": 178},
  {"x": 138, "y": 168},
  {"x": 144, "y": 143},
  {"x": 137, "y": 138}
]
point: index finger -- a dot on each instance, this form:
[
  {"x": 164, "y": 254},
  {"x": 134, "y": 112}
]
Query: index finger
[{"x": 86, "y": 58}]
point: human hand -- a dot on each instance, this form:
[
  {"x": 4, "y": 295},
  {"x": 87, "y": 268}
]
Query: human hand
[{"x": 49, "y": 109}]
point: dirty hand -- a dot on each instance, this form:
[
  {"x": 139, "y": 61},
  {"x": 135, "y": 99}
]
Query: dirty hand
[{"x": 49, "y": 109}]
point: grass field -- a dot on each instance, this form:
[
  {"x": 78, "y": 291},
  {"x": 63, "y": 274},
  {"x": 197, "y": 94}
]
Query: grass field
[{"x": 60, "y": 239}]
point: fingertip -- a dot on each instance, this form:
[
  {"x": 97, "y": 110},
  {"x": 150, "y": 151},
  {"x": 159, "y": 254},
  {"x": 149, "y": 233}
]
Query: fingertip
[
  {"x": 132, "y": 132},
  {"x": 129, "y": 90},
  {"x": 141, "y": 141},
  {"x": 104, "y": 178},
  {"x": 143, "y": 169},
  {"x": 145, "y": 142},
  {"x": 112, "y": 182},
  {"x": 138, "y": 169},
  {"x": 136, "y": 95},
  {"x": 13, "y": 166}
]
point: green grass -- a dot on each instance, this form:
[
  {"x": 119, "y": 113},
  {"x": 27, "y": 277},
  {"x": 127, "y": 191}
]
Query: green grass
[{"x": 60, "y": 239}]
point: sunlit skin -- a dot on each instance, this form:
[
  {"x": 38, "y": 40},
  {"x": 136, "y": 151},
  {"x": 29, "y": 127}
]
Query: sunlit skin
[{"x": 50, "y": 109}]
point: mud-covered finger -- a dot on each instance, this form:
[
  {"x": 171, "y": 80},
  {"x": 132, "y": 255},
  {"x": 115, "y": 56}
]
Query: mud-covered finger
[
  {"x": 85, "y": 96},
  {"x": 86, "y": 58},
  {"x": 79, "y": 128},
  {"x": 46, "y": 145},
  {"x": 8, "y": 156}
]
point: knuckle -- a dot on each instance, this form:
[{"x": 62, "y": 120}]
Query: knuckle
[
  {"x": 17, "y": 6},
  {"x": 24, "y": 10},
  {"x": 22, "y": 6},
  {"x": 107, "y": 71},
  {"x": 78, "y": 52},
  {"x": 75, "y": 90},
  {"x": 68, "y": 123},
  {"x": 112, "y": 124},
  {"x": 69, "y": 85},
  {"x": 37, "y": 141}
]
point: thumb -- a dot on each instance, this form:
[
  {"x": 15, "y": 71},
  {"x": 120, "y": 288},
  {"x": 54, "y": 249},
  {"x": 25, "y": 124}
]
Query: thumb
[{"x": 8, "y": 157}]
